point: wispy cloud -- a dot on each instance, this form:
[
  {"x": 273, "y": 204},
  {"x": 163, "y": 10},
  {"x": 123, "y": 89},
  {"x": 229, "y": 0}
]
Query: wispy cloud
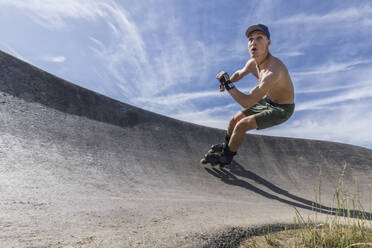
[
  {"x": 340, "y": 29},
  {"x": 154, "y": 58},
  {"x": 216, "y": 117},
  {"x": 332, "y": 67},
  {"x": 348, "y": 15},
  {"x": 167, "y": 61},
  {"x": 56, "y": 59},
  {"x": 126, "y": 55},
  {"x": 181, "y": 98},
  {"x": 289, "y": 54},
  {"x": 52, "y": 14},
  {"x": 315, "y": 90},
  {"x": 351, "y": 95}
]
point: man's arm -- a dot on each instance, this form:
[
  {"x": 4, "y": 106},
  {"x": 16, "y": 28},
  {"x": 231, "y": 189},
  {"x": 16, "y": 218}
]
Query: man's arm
[
  {"x": 239, "y": 74},
  {"x": 257, "y": 93}
]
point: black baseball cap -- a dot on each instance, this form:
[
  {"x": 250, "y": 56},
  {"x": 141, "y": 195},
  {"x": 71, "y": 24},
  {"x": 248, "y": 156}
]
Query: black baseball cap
[{"x": 259, "y": 27}]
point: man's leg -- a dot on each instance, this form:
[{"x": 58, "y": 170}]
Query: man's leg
[
  {"x": 238, "y": 134},
  {"x": 238, "y": 126},
  {"x": 233, "y": 121}
]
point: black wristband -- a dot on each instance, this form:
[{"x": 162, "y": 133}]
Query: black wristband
[
  {"x": 226, "y": 82},
  {"x": 229, "y": 85}
]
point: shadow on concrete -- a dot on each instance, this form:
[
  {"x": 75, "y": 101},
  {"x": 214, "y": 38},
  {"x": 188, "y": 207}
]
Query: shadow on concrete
[{"x": 235, "y": 169}]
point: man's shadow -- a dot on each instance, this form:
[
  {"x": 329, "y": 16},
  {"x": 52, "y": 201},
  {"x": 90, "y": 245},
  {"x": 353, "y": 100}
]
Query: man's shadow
[{"x": 235, "y": 169}]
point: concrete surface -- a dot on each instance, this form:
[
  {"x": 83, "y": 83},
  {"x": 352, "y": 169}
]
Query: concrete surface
[{"x": 78, "y": 169}]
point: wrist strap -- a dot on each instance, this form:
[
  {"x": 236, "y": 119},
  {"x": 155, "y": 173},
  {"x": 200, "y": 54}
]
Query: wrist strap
[
  {"x": 226, "y": 82},
  {"x": 229, "y": 85}
]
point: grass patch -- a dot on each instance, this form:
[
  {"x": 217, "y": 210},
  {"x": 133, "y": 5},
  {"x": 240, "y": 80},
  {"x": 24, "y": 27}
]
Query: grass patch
[
  {"x": 346, "y": 228},
  {"x": 270, "y": 240},
  {"x": 317, "y": 236},
  {"x": 320, "y": 236}
]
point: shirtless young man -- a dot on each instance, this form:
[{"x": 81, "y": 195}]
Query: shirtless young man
[{"x": 268, "y": 104}]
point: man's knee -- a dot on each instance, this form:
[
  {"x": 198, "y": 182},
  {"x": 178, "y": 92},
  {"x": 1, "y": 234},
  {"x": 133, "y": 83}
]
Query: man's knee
[
  {"x": 245, "y": 124},
  {"x": 236, "y": 118}
]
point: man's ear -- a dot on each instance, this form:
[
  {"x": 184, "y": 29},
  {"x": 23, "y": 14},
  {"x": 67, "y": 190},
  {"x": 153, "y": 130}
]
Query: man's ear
[{"x": 269, "y": 42}]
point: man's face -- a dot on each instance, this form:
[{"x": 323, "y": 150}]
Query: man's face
[{"x": 258, "y": 44}]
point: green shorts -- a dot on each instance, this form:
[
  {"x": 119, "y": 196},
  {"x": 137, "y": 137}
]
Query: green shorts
[{"x": 269, "y": 113}]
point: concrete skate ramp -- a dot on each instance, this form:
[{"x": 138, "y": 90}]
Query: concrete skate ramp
[{"x": 78, "y": 169}]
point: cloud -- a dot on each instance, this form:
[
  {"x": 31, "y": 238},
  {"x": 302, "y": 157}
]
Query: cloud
[
  {"x": 141, "y": 58},
  {"x": 358, "y": 94},
  {"x": 217, "y": 117},
  {"x": 177, "y": 99},
  {"x": 316, "y": 90},
  {"x": 349, "y": 15},
  {"x": 98, "y": 43},
  {"x": 53, "y": 14},
  {"x": 331, "y": 78},
  {"x": 125, "y": 56},
  {"x": 292, "y": 53},
  {"x": 333, "y": 67},
  {"x": 57, "y": 59},
  {"x": 340, "y": 31},
  {"x": 155, "y": 58}
]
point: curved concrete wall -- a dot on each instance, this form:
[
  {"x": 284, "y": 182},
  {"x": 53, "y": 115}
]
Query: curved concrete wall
[{"x": 77, "y": 167}]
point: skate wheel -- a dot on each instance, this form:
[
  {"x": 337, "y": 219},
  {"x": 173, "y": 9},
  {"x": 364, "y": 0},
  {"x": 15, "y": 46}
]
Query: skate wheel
[{"x": 203, "y": 161}]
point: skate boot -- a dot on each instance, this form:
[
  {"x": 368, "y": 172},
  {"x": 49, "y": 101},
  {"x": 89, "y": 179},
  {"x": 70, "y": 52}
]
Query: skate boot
[
  {"x": 211, "y": 158},
  {"x": 219, "y": 147},
  {"x": 218, "y": 158}
]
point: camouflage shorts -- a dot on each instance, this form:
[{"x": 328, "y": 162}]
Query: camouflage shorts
[{"x": 269, "y": 113}]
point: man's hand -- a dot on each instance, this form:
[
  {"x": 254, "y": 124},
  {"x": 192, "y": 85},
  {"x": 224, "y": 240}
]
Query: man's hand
[
  {"x": 219, "y": 76},
  {"x": 225, "y": 81}
]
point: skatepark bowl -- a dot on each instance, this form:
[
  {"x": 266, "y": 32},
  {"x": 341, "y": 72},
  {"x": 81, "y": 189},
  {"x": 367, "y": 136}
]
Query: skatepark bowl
[{"x": 79, "y": 169}]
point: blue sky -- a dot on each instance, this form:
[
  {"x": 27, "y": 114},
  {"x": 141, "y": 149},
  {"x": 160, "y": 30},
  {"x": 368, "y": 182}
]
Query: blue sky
[{"x": 163, "y": 56}]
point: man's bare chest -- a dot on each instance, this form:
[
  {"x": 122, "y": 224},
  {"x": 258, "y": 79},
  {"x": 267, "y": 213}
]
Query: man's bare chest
[{"x": 258, "y": 74}]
